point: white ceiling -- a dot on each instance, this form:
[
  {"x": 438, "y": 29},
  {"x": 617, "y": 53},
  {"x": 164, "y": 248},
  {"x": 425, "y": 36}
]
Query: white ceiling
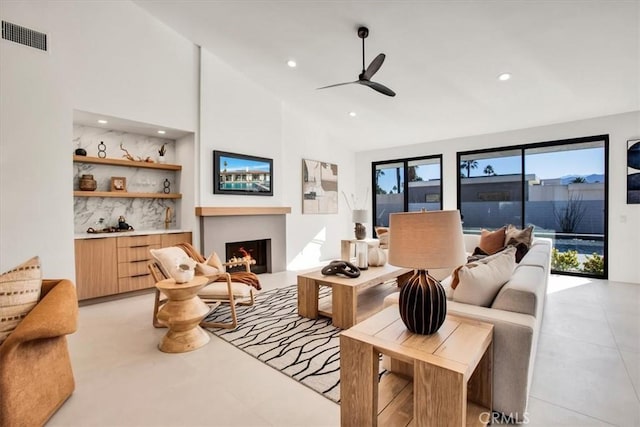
[{"x": 569, "y": 59}]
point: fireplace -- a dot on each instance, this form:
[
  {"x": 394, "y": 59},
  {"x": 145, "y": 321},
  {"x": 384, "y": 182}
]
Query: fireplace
[{"x": 259, "y": 251}]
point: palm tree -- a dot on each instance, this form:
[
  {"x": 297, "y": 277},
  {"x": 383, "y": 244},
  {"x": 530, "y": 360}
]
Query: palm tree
[
  {"x": 468, "y": 165},
  {"x": 394, "y": 189},
  {"x": 225, "y": 166},
  {"x": 413, "y": 174},
  {"x": 578, "y": 180},
  {"x": 379, "y": 190},
  {"x": 489, "y": 170}
]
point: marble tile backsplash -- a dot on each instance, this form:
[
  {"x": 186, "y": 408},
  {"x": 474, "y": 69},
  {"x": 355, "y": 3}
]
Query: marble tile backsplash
[{"x": 140, "y": 213}]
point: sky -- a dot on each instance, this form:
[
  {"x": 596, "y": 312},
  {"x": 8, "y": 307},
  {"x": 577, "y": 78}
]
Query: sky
[
  {"x": 543, "y": 165},
  {"x": 241, "y": 164}
]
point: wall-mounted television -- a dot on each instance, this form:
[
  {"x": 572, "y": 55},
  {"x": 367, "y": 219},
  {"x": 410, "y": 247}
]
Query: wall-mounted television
[{"x": 242, "y": 174}]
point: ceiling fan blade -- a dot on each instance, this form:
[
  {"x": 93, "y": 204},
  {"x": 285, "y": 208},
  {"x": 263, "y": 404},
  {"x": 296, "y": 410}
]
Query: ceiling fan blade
[
  {"x": 338, "y": 84},
  {"x": 378, "y": 87},
  {"x": 374, "y": 66}
]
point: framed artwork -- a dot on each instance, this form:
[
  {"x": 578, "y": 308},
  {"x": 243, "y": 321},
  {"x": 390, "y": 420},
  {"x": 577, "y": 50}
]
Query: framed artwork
[
  {"x": 118, "y": 183},
  {"x": 242, "y": 174},
  {"x": 633, "y": 171},
  {"x": 319, "y": 187}
]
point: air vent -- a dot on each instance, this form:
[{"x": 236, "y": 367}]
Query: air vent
[{"x": 24, "y": 35}]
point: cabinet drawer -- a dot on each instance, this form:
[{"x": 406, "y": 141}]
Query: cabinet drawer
[
  {"x": 137, "y": 241},
  {"x": 127, "y": 284},
  {"x": 136, "y": 254},
  {"x": 131, "y": 269}
]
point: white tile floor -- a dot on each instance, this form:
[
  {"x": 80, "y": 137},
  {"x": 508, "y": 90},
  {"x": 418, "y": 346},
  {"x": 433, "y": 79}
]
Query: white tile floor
[{"x": 587, "y": 370}]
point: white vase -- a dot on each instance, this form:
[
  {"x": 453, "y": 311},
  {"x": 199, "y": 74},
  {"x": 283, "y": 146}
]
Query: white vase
[
  {"x": 161, "y": 159},
  {"x": 183, "y": 276}
]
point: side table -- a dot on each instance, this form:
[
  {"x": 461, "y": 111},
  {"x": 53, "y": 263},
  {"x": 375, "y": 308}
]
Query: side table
[
  {"x": 445, "y": 378},
  {"x": 182, "y": 313}
]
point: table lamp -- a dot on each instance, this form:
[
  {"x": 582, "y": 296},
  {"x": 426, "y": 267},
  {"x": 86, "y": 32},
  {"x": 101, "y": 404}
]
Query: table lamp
[
  {"x": 423, "y": 240},
  {"x": 359, "y": 216}
]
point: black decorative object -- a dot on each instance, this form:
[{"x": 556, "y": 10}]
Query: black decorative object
[
  {"x": 102, "y": 150},
  {"x": 167, "y": 186},
  {"x": 342, "y": 268},
  {"x": 423, "y": 304},
  {"x": 81, "y": 152}
]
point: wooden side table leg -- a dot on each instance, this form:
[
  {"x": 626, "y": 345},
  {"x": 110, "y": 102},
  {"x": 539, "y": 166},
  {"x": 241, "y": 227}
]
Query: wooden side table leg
[
  {"x": 308, "y": 292},
  {"x": 480, "y": 389},
  {"x": 358, "y": 383},
  {"x": 344, "y": 301},
  {"x": 439, "y": 396}
]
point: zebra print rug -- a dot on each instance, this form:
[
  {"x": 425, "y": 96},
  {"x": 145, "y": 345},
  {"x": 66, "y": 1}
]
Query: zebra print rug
[{"x": 307, "y": 350}]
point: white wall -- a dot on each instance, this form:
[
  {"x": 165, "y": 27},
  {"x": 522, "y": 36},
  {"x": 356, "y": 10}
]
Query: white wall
[
  {"x": 105, "y": 57},
  {"x": 239, "y": 116},
  {"x": 624, "y": 220}
]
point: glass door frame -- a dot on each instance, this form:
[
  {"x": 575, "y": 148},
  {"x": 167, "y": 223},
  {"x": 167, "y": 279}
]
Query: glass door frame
[{"x": 522, "y": 148}]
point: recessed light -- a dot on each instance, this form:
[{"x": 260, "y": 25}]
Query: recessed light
[
  {"x": 102, "y": 122},
  {"x": 162, "y": 132},
  {"x": 504, "y": 77},
  {"x": 291, "y": 63},
  {"x": 352, "y": 113}
]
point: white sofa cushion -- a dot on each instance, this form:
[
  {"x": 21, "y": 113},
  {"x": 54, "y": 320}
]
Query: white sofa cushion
[
  {"x": 480, "y": 282},
  {"x": 219, "y": 290}
]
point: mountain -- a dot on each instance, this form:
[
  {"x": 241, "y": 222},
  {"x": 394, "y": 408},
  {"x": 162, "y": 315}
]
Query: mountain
[{"x": 590, "y": 179}]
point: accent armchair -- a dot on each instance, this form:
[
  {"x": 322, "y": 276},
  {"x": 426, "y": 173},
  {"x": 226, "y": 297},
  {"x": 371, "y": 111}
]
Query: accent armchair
[
  {"x": 35, "y": 369},
  {"x": 229, "y": 288}
]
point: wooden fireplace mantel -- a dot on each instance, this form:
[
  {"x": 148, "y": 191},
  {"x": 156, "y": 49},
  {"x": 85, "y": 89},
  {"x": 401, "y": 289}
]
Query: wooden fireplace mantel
[{"x": 242, "y": 210}]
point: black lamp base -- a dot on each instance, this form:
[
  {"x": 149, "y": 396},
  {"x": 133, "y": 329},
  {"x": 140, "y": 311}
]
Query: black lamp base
[{"x": 423, "y": 304}]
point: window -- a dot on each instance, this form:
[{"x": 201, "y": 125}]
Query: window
[
  {"x": 559, "y": 187},
  {"x": 394, "y": 193}
]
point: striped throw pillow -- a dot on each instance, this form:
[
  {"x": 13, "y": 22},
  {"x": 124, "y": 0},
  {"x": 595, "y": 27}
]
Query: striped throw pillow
[{"x": 19, "y": 293}]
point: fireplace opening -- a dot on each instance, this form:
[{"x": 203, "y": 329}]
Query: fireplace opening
[{"x": 258, "y": 251}]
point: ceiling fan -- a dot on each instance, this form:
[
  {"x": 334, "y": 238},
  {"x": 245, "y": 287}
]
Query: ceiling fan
[{"x": 365, "y": 77}]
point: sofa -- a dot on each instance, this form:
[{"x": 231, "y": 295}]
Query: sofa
[
  {"x": 516, "y": 314},
  {"x": 35, "y": 368}
]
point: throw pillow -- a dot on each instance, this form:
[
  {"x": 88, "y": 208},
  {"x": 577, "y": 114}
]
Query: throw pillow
[
  {"x": 383, "y": 236},
  {"x": 19, "y": 293},
  {"x": 206, "y": 269},
  {"x": 214, "y": 261},
  {"x": 168, "y": 258},
  {"x": 492, "y": 241},
  {"x": 480, "y": 282},
  {"x": 519, "y": 236}
]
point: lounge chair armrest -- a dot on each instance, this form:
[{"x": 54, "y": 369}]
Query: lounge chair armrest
[{"x": 55, "y": 314}]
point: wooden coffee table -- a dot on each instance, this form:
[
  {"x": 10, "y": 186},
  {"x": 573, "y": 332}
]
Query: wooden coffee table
[
  {"x": 182, "y": 313},
  {"x": 342, "y": 306},
  {"x": 445, "y": 379}
]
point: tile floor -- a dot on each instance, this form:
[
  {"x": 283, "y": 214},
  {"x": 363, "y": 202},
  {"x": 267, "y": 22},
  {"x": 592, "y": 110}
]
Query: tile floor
[{"x": 587, "y": 370}]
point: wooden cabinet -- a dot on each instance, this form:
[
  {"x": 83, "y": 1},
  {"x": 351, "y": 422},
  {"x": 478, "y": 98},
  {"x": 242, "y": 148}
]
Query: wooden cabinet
[
  {"x": 115, "y": 265},
  {"x": 172, "y": 239},
  {"x": 133, "y": 257},
  {"x": 96, "y": 267}
]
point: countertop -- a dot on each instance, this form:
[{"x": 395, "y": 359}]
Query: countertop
[{"x": 128, "y": 233}]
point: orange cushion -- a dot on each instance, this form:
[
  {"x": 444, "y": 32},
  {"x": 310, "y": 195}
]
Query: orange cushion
[{"x": 492, "y": 241}]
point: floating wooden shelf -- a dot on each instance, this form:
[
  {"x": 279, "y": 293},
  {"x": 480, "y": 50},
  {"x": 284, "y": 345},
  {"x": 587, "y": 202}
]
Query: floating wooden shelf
[
  {"x": 127, "y": 163},
  {"x": 243, "y": 210},
  {"x": 125, "y": 194}
]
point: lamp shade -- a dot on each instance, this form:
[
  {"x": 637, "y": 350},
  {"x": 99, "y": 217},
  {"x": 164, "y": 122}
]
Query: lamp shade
[
  {"x": 360, "y": 215},
  {"x": 426, "y": 240}
]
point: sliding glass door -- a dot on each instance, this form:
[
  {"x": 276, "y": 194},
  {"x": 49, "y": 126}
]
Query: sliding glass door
[
  {"x": 559, "y": 187},
  {"x": 421, "y": 189}
]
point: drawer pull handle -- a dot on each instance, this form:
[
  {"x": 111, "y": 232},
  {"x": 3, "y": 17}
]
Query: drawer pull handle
[
  {"x": 140, "y": 260},
  {"x": 139, "y": 246},
  {"x": 141, "y": 275}
]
